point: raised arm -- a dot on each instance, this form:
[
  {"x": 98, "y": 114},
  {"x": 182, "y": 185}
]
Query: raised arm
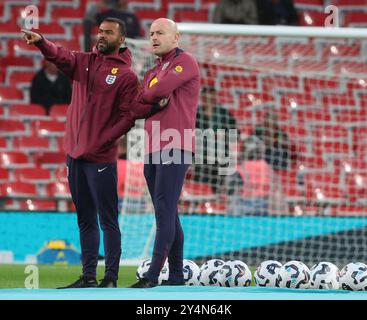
[{"x": 63, "y": 58}]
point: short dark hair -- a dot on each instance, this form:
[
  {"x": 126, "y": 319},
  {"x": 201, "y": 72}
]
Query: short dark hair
[{"x": 122, "y": 26}]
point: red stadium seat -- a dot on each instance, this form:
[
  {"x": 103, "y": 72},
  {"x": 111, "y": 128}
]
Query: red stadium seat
[
  {"x": 10, "y": 95},
  {"x": 312, "y": 115},
  {"x": 63, "y": 12},
  {"x": 349, "y": 166},
  {"x": 34, "y": 175},
  {"x": 312, "y": 164},
  {"x": 355, "y": 19},
  {"x": 50, "y": 159},
  {"x": 352, "y": 116},
  {"x": 146, "y": 14},
  {"x": 296, "y": 100},
  {"x": 323, "y": 187},
  {"x": 312, "y": 2},
  {"x": 309, "y": 66},
  {"x": 18, "y": 47},
  {"x": 61, "y": 174},
  {"x": 135, "y": 178},
  {"x": 58, "y": 189},
  {"x": 297, "y": 133},
  {"x": 331, "y": 147},
  {"x": 267, "y": 64},
  {"x": 257, "y": 50},
  {"x": 2, "y": 75},
  {"x": 193, "y": 190},
  {"x": 253, "y": 99},
  {"x": 60, "y": 144},
  {"x": 353, "y": 67},
  {"x": 3, "y": 143},
  {"x": 359, "y": 141},
  {"x": 59, "y": 111},
  {"x": 37, "y": 205},
  {"x": 17, "y": 61},
  {"x": 12, "y": 189},
  {"x": 246, "y": 129},
  {"x": 12, "y": 128},
  {"x": 212, "y": 207},
  {"x": 350, "y": 3},
  {"x": 21, "y": 77},
  {"x": 48, "y": 128},
  {"x": 312, "y": 84},
  {"x": 348, "y": 210},
  {"x": 299, "y": 50},
  {"x": 4, "y": 175},
  {"x": 23, "y": 111},
  {"x": 31, "y": 143},
  {"x": 189, "y": 15},
  {"x": 356, "y": 186},
  {"x": 10, "y": 159},
  {"x": 72, "y": 207},
  {"x": 309, "y": 18},
  {"x": 52, "y": 29},
  {"x": 338, "y": 100},
  {"x": 341, "y": 50},
  {"x": 329, "y": 132},
  {"x": 290, "y": 183}
]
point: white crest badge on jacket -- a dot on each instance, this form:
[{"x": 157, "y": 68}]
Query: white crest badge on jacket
[
  {"x": 165, "y": 66},
  {"x": 110, "y": 79}
]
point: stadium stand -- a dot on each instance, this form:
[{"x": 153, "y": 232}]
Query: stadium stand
[{"x": 31, "y": 145}]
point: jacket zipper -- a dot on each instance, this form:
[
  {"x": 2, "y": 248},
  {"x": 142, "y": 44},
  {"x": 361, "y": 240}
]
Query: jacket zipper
[{"x": 89, "y": 97}]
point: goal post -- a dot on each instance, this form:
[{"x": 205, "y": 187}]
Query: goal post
[{"x": 296, "y": 97}]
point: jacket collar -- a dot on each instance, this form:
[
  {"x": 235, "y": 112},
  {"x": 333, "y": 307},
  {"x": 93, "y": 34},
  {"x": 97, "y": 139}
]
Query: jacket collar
[
  {"x": 123, "y": 56},
  {"x": 170, "y": 54}
]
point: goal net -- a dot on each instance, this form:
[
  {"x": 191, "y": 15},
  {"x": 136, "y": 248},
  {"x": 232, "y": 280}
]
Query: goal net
[{"x": 295, "y": 102}]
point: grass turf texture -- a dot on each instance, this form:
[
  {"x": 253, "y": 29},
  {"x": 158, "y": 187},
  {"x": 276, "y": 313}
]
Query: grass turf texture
[{"x": 53, "y": 276}]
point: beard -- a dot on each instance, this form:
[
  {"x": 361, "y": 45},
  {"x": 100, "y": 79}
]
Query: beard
[{"x": 107, "y": 47}]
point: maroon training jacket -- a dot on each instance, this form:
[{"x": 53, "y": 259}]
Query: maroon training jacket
[
  {"x": 104, "y": 102},
  {"x": 176, "y": 76}
]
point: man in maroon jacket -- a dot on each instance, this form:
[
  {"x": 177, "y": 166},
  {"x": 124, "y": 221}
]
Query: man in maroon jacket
[
  {"x": 104, "y": 106},
  {"x": 169, "y": 146}
]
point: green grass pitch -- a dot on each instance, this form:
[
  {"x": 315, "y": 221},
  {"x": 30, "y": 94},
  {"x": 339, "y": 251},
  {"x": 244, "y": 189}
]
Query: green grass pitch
[{"x": 53, "y": 276}]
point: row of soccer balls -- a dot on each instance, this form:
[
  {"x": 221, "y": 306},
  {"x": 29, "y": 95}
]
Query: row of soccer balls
[{"x": 270, "y": 273}]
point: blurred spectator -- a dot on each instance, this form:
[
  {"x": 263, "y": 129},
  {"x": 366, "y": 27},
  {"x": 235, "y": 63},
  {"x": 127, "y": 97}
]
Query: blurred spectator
[
  {"x": 249, "y": 188},
  {"x": 278, "y": 149},
  {"x": 277, "y": 12},
  {"x": 97, "y": 12},
  {"x": 50, "y": 86},
  {"x": 236, "y": 12},
  {"x": 212, "y": 116}
]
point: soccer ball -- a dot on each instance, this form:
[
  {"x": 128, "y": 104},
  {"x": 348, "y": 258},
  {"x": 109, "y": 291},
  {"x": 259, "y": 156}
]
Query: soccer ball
[
  {"x": 209, "y": 272},
  {"x": 266, "y": 273},
  {"x": 143, "y": 269},
  {"x": 293, "y": 274},
  {"x": 191, "y": 272},
  {"x": 163, "y": 275},
  {"x": 234, "y": 273},
  {"x": 324, "y": 275},
  {"x": 354, "y": 277}
]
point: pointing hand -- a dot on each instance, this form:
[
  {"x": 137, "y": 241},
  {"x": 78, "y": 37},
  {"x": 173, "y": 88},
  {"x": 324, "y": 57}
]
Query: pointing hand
[{"x": 30, "y": 37}]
